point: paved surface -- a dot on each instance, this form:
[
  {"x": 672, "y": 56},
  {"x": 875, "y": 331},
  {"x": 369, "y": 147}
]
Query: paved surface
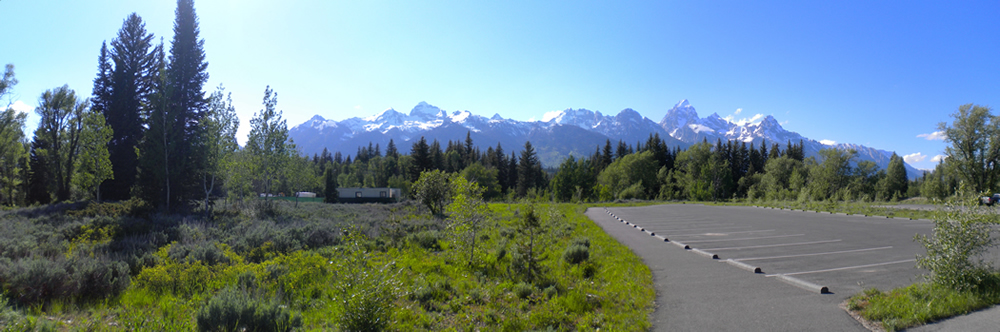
[{"x": 796, "y": 252}]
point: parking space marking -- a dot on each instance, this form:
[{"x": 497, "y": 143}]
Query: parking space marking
[
  {"x": 699, "y": 229},
  {"x": 721, "y": 233},
  {"x": 813, "y": 254},
  {"x": 746, "y": 238},
  {"x": 774, "y": 245},
  {"x": 842, "y": 268}
]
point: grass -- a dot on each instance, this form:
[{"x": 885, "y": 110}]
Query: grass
[
  {"x": 919, "y": 304},
  {"x": 306, "y": 261}
]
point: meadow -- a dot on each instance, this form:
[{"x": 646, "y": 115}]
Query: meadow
[{"x": 318, "y": 267}]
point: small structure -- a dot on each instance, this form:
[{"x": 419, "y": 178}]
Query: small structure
[
  {"x": 369, "y": 195},
  {"x": 305, "y": 194}
]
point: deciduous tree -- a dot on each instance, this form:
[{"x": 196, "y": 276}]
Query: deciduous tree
[
  {"x": 94, "y": 164},
  {"x": 974, "y": 152}
]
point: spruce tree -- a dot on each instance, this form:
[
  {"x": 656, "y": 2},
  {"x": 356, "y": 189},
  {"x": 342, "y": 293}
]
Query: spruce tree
[
  {"x": 186, "y": 74},
  {"x": 527, "y": 176},
  {"x": 896, "y": 180},
  {"x": 122, "y": 94}
]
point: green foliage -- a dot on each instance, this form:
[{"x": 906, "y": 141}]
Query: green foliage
[
  {"x": 576, "y": 253},
  {"x": 234, "y": 309},
  {"x": 633, "y": 176},
  {"x": 367, "y": 292},
  {"x": 574, "y": 180},
  {"x": 13, "y": 154},
  {"x": 522, "y": 290},
  {"x": 955, "y": 251},
  {"x": 267, "y": 144},
  {"x": 920, "y": 303},
  {"x": 467, "y": 214},
  {"x": 134, "y": 207},
  {"x": 330, "y": 193},
  {"x": 972, "y": 155},
  {"x": 94, "y": 164},
  {"x": 432, "y": 190},
  {"x": 219, "y": 128},
  {"x": 59, "y": 132}
]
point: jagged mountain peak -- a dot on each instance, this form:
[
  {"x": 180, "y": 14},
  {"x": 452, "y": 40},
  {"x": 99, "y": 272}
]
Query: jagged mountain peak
[
  {"x": 575, "y": 131},
  {"x": 425, "y": 111},
  {"x": 683, "y": 104}
]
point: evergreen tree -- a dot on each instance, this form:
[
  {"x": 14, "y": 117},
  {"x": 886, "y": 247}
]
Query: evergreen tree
[
  {"x": 896, "y": 180},
  {"x": 421, "y": 159},
  {"x": 527, "y": 170},
  {"x": 153, "y": 183},
  {"x": 390, "y": 150},
  {"x": 186, "y": 74},
  {"x": 122, "y": 94},
  {"x": 437, "y": 156},
  {"x": 330, "y": 193}
]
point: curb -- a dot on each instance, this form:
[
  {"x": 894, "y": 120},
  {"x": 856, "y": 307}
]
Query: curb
[
  {"x": 705, "y": 253},
  {"x": 804, "y": 284},
  {"x": 744, "y": 266},
  {"x": 681, "y": 245}
]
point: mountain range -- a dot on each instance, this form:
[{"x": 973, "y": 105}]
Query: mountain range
[{"x": 559, "y": 134}]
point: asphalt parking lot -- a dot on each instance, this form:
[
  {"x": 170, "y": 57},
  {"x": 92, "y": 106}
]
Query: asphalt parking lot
[
  {"x": 842, "y": 253},
  {"x": 755, "y": 269}
]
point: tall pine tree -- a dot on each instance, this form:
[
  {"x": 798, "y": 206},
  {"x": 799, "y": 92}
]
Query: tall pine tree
[
  {"x": 175, "y": 131},
  {"x": 122, "y": 94}
]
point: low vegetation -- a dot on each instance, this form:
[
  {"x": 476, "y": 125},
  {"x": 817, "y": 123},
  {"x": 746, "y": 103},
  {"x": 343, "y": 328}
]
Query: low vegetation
[
  {"x": 961, "y": 280},
  {"x": 272, "y": 267}
]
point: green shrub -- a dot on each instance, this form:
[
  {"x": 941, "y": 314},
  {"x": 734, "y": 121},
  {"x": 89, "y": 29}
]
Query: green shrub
[
  {"x": 133, "y": 207},
  {"x": 955, "y": 251},
  {"x": 99, "y": 278},
  {"x": 233, "y": 309},
  {"x": 427, "y": 239},
  {"x": 523, "y": 290},
  {"x": 576, "y": 253},
  {"x": 551, "y": 291},
  {"x": 369, "y": 305},
  {"x": 36, "y": 281}
]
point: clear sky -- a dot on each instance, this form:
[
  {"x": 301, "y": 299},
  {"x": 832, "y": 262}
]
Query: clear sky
[{"x": 877, "y": 73}]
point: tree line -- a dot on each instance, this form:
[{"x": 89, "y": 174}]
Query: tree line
[{"x": 149, "y": 131}]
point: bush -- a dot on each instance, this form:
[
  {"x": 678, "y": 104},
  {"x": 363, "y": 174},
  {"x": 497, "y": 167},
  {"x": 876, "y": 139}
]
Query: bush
[
  {"x": 523, "y": 290},
  {"x": 233, "y": 309},
  {"x": 100, "y": 278},
  {"x": 962, "y": 236},
  {"x": 576, "y": 254},
  {"x": 427, "y": 240},
  {"x": 36, "y": 281},
  {"x": 133, "y": 207}
]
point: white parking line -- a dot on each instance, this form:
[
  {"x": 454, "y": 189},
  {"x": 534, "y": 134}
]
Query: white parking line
[
  {"x": 699, "y": 229},
  {"x": 773, "y": 245},
  {"x": 842, "y": 268},
  {"x": 721, "y": 233},
  {"x": 745, "y": 238},
  {"x": 813, "y": 254}
]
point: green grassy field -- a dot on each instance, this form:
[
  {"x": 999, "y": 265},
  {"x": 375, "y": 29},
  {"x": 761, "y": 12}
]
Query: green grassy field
[{"x": 318, "y": 267}]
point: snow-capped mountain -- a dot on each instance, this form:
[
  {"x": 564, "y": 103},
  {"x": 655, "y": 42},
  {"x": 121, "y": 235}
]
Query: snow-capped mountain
[
  {"x": 577, "y": 132},
  {"x": 560, "y": 133},
  {"x": 683, "y": 123}
]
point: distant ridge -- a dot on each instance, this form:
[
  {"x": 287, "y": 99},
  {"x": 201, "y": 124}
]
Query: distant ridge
[{"x": 561, "y": 133}]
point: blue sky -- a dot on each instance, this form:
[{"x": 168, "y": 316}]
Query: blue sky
[{"x": 877, "y": 73}]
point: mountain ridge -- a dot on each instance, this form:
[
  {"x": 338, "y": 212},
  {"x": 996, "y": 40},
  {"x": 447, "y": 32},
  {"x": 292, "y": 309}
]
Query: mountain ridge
[{"x": 575, "y": 132}]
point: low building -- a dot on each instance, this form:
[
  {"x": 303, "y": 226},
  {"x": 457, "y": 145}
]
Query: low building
[
  {"x": 369, "y": 195},
  {"x": 305, "y": 194}
]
